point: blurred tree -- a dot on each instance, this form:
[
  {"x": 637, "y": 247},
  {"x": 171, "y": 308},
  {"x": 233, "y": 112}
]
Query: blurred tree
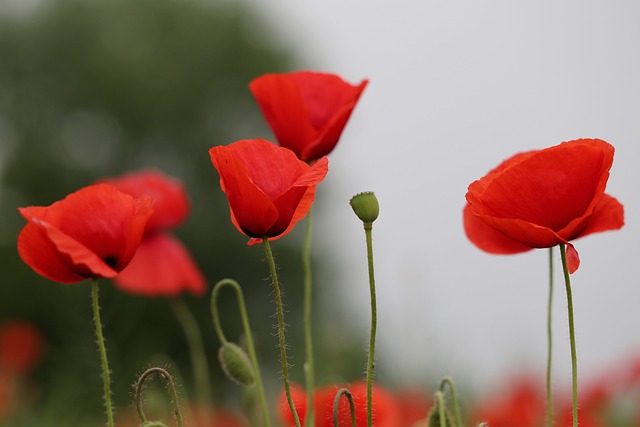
[{"x": 90, "y": 89}]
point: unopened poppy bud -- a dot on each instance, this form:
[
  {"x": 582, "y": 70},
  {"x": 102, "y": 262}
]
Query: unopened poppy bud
[
  {"x": 365, "y": 205},
  {"x": 235, "y": 364}
]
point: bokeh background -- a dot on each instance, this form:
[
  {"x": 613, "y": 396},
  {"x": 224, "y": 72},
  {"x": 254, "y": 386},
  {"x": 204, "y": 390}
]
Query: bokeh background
[{"x": 96, "y": 88}]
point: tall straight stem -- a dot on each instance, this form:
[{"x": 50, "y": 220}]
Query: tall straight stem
[
  {"x": 281, "y": 340},
  {"x": 308, "y": 339},
  {"x": 572, "y": 337},
  {"x": 106, "y": 374},
  {"x": 549, "y": 341},
  {"x": 189, "y": 324},
  {"x": 372, "y": 338}
]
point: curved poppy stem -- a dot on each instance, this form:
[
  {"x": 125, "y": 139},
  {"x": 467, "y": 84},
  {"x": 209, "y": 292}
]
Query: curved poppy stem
[
  {"x": 336, "y": 403},
  {"x": 368, "y": 226},
  {"x": 281, "y": 340},
  {"x": 189, "y": 324},
  {"x": 172, "y": 390},
  {"x": 106, "y": 374},
  {"x": 248, "y": 337},
  {"x": 572, "y": 337},
  {"x": 549, "y": 342},
  {"x": 447, "y": 381},
  {"x": 308, "y": 365}
]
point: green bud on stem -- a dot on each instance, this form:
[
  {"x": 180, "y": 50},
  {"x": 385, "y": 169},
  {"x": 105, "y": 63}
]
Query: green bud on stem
[{"x": 365, "y": 205}]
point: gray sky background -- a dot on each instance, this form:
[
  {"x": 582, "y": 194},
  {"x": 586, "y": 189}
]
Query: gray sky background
[{"x": 455, "y": 88}]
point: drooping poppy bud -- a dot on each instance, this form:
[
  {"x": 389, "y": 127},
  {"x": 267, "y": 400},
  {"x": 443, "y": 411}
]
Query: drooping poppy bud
[{"x": 236, "y": 364}]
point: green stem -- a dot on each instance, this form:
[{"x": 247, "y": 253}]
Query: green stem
[
  {"x": 172, "y": 389},
  {"x": 549, "y": 342},
  {"x": 281, "y": 340},
  {"x": 336, "y": 405},
  {"x": 372, "y": 338},
  {"x": 309, "y": 365},
  {"x": 442, "y": 410},
  {"x": 248, "y": 337},
  {"x": 106, "y": 374},
  {"x": 572, "y": 337},
  {"x": 454, "y": 398},
  {"x": 201, "y": 375}
]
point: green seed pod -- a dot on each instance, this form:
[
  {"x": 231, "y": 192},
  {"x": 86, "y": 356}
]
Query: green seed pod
[
  {"x": 365, "y": 205},
  {"x": 235, "y": 364}
]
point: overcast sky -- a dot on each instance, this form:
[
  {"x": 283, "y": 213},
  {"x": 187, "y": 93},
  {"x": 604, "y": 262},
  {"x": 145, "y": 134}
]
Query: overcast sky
[{"x": 455, "y": 88}]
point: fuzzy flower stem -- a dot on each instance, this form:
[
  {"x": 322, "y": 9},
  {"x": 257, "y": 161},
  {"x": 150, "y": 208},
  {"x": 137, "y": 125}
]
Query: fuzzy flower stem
[
  {"x": 198, "y": 356},
  {"x": 106, "y": 374},
  {"x": 248, "y": 337},
  {"x": 549, "y": 342},
  {"x": 372, "y": 338},
  {"x": 308, "y": 365},
  {"x": 447, "y": 381},
  {"x": 336, "y": 406},
  {"x": 172, "y": 389},
  {"x": 281, "y": 341},
  {"x": 572, "y": 337}
]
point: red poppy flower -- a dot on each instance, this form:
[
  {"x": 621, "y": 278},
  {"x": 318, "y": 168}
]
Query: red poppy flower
[
  {"x": 522, "y": 404},
  {"x": 269, "y": 189},
  {"x": 542, "y": 198},
  {"x": 162, "y": 265},
  {"x": 21, "y": 346},
  {"x": 385, "y": 408},
  {"x": 91, "y": 233},
  {"x": 306, "y": 111}
]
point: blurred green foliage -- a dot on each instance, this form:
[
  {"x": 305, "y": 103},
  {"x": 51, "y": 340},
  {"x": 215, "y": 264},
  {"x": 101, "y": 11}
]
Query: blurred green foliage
[{"x": 90, "y": 89}]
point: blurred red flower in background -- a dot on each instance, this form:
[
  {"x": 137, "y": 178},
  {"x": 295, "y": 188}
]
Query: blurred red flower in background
[
  {"x": 162, "y": 265},
  {"x": 307, "y": 111},
  {"x": 542, "y": 198},
  {"x": 21, "y": 346},
  {"x": 91, "y": 233},
  {"x": 268, "y": 188},
  {"x": 385, "y": 408},
  {"x": 520, "y": 404}
]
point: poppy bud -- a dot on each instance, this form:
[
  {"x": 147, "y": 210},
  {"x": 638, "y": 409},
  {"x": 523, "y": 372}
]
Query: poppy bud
[
  {"x": 235, "y": 364},
  {"x": 365, "y": 205}
]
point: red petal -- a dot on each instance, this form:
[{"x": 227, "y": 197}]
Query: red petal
[
  {"x": 281, "y": 103},
  {"x": 487, "y": 238},
  {"x": 573, "y": 260},
  {"x": 171, "y": 205},
  {"x": 608, "y": 214},
  {"x": 252, "y": 209},
  {"x": 162, "y": 266},
  {"x": 56, "y": 256}
]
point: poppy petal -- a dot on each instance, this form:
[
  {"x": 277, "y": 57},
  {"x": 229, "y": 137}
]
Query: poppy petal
[
  {"x": 281, "y": 104},
  {"x": 488, "y": 238},
  {"x": 608, "y": 214},
  {"x": 56, "y": 256},
  {"x": 573, "y": 260},
  {"x": 162, "y": 266},
  {"x": 171, "y": 204},
  {"x": 252, "y": 210}
]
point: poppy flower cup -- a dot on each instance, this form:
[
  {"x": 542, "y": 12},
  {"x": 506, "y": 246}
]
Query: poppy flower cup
[
  {"x": 268, "y": 188},
  {"x": 307, "y": 111},
  {"x": 162, "y": 265},
  {"x": 542, "y": 198},
  {"x": 91, "y": 233}
]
